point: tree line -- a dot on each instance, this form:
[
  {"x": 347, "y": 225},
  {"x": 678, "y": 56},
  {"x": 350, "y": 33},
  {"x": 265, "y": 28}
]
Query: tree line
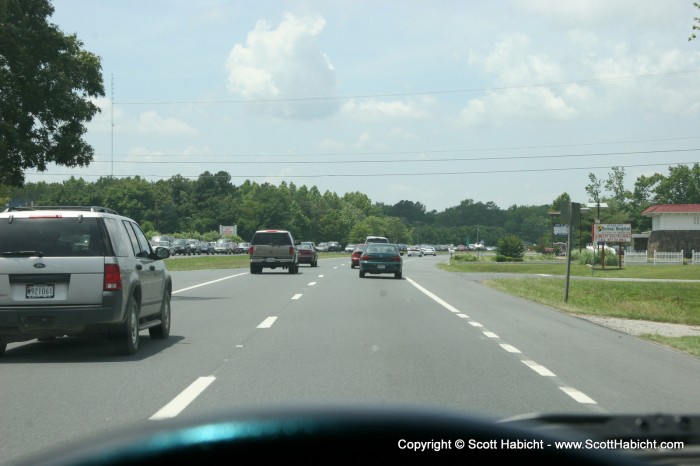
[{"x": 197, "y": 207}]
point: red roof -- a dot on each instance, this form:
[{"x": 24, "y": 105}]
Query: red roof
[{"x": 672, "y": 209}]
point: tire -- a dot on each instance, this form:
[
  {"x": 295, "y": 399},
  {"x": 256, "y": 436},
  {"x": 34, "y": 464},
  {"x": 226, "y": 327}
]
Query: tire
[
  {"x": 253, "y": 269},
  {"x": 352, "y": 266},
  {"x": 314, "y": 264},
  {"x": 3, "y": 346},
  {"x": 162, "y": 331},
  {"x": 362, "y": 274},
  {"x": 398, "y": 275},
  {"x": 127, "y": 338},
  {"x": 294, "y": 268}
]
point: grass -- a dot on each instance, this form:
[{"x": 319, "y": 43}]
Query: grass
[
  {"x": 236, "y": 261},
  {"x": 676, "y": 272},
  {"x": 677, "y": 303}
]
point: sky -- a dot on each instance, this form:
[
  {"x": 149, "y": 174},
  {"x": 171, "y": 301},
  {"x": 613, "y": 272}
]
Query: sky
[{"x": 511, "y": 102}]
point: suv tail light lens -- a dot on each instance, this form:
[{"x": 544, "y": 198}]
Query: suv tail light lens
[
  {"x": 250, "y": 250},
  {"x": 113, "y": 278},
  {"x": 291, "y": 250}
]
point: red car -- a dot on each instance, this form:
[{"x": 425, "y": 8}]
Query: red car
[
  {"x": 307, "y": 254},
  {"x": 356, "y": 253}
]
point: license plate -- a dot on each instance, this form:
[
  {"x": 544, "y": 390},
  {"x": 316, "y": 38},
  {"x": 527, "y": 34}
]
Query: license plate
[
  {"x": 39, "y": 291},
  {"x": 380, "y": 266}
]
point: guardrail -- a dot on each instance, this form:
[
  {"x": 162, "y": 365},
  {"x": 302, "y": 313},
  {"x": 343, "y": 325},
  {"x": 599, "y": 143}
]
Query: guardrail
[
  {"x": 635, "y": 258},
  {"x": 664, "y": 257}
]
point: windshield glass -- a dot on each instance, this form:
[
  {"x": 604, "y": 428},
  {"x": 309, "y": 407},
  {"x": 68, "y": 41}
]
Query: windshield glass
[{"x": 533, "y": 166}]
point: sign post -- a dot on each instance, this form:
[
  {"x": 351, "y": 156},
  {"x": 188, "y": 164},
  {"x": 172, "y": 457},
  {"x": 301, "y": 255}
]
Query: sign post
[
  {"x": 612, "y": 233},
  {"x": 572, "y": 215}
]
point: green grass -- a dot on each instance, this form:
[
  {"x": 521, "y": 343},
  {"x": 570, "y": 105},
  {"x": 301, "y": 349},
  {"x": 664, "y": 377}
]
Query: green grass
[
  {"x": 689, "y": 345},
  {"x": 236, "y": 261},
  {"x": 208, "y": 262},
  {"x": 678, "y": 272},
  {"x": 677, "y": 303}
]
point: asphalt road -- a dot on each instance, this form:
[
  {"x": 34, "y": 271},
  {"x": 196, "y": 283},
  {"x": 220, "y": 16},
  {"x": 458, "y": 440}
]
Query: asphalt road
[{"x": 325, "y": 337}]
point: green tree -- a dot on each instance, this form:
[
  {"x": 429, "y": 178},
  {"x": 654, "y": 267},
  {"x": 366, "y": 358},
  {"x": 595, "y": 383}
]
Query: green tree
[
  {"x": 47, "y": 81},
  {"x": 696, "y": 21}
]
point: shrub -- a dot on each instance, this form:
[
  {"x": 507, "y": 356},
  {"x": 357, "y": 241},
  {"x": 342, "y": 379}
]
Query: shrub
[
  {"x": 510, "y": 246},
  {"x": 501, "y": 258},
  {"x": 465, "y": 258}
]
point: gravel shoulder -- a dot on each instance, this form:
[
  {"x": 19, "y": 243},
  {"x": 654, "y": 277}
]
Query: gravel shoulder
[{"x": 642, "y": 327}]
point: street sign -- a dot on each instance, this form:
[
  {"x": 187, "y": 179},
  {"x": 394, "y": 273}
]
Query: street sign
[
  {"x": 228, "y": 230},
  {"x": 612, "y": 232},
  {"x": 561, "y": 229}
]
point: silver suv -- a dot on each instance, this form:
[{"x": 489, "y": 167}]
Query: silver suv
[
  {"x": 80, "y": 271},
  {"x": 271, "y": 249}
]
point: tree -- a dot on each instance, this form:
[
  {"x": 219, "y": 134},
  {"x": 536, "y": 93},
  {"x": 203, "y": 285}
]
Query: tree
[
  {"x": 47, "y": 81},
  {"x": 696, "y": 20}
]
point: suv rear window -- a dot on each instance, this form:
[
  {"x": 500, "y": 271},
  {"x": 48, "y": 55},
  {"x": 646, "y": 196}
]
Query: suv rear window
[
  {"x": 52, "y": 237},
  {"x": 271, "y": 238}
]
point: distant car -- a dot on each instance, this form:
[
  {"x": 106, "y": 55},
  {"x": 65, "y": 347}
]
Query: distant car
[
  {"x": 167, "y": 245},
  {"x": 350, "y": 248},
  {"x": 205, "y": 248},
  {"x": 414, "y": 251},
  {"x": 223, "y": 246},
  {"x": 429, "y": 251},
  {"x": 307, "y": 254},
  {"x": 242, "y": 248},
  {"x": 334, "y": 246},
  {"x": 322, "y": 247},
  {"x": 356, "y": 253},
  {"x": 195, "y": 247},
  {"x": 376, "y": 239},
  {"x": 181, "y": 247},
  {"x": 381, "y": 258}
]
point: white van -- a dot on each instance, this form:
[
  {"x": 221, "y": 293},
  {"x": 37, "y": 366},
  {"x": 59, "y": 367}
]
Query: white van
[{"x": 376, "y": 239}]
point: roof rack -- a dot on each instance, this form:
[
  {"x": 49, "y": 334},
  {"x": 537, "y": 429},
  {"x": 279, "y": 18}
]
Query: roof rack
[{"x": 54, "y": 207}]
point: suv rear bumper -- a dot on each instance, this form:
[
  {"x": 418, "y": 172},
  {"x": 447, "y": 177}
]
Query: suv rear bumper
[
  {"x": 272, "y": 262},
  {"x": 21, "y": 323}
]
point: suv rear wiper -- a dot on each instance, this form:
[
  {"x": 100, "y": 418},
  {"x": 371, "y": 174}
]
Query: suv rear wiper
[{"x": 22, "y": 253}]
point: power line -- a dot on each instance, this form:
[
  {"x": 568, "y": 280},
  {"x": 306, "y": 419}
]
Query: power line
[
  {"x": 415, "y": 93},
  {"x": 467, "y": 159},
  {"x": 425, "y": 151},
  {"x": 342, "y": 175}
]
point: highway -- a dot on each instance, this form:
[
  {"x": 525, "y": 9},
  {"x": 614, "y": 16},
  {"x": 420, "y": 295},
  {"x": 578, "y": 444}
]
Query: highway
[{"x": 325, "y": 337}]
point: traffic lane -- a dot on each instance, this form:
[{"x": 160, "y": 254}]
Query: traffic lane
[
  {"x": 622, "y": 373},
  {"x": 376, "y": 340},
  {"x": 58, "y": 382}
]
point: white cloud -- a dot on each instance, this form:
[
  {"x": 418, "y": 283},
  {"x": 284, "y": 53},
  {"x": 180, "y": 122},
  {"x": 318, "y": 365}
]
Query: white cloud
[
  {"x": 152, "y": 123},
  {"x": 332, "y": 144},
  {"x": 380, "y": 110},
  {"x": 284, "y": 63}
]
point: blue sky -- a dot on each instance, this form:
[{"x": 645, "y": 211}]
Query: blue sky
[{"x": 513, "y": 102}]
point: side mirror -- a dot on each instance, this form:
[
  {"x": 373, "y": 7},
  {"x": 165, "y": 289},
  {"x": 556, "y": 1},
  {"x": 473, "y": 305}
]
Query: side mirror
[{"x": 162, "y": 253}]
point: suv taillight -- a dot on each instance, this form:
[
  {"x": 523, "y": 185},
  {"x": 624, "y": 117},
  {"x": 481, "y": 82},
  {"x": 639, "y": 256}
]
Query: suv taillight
[
  {"x": 113, "y": 278},
  {"x": 291, "y": 250},
  {"x": 250, "y": 250}
]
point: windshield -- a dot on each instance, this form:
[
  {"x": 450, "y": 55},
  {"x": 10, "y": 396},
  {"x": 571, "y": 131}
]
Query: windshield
[{"x": 538, "y": 162}]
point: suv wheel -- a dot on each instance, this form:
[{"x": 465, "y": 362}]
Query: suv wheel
[
  {"x": 128, "y": 335},
  {"x": 162, "y": 331},
  {"x": 2, "y": 348}
]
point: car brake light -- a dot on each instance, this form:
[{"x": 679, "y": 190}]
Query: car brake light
[
  {"x": 113, "y": 278},
  {"x": 250, "y": 250},
  {"x": 291, "y": 250},
  {"x": 364, "y": 257}
]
